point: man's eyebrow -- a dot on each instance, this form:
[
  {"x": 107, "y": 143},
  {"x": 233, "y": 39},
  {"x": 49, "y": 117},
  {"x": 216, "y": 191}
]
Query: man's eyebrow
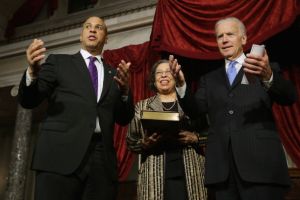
[{"x": 94, "y": 24}]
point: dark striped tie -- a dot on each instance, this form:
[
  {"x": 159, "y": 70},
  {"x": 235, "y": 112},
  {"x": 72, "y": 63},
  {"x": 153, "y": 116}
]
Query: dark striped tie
[{"x": 93, "y": 73}]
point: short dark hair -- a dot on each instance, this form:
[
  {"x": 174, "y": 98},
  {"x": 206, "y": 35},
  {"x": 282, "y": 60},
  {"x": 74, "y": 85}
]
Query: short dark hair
[
  {"x": 152, "y": 74},
  {"x": 104, "y": 24}
]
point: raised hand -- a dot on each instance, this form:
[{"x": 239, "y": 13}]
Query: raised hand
[
  {"x": 123, "y": 76},
  {"x": 35, "y": 53},
  {"x": 258, "y": 65},
  {"x": 176, "y": 71}
]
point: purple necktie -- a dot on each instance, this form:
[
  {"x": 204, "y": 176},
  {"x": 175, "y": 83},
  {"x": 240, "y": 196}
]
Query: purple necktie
[{"x": 93, "y": 73}]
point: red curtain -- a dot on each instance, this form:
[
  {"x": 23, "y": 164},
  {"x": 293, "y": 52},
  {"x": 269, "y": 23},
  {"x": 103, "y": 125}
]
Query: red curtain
[
  {"x": 288, "y": 119},
  {"x": 186, "y": 27},
  {"x": 141, "y": 58}
]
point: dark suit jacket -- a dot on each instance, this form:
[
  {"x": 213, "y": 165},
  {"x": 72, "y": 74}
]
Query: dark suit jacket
[
  {"x": 71, "y": 116},
  {"x": 241, "y": 116}
]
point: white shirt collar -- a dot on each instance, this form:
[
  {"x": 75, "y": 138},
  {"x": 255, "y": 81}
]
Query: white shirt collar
[
  {"x": 85, "y": 54},
  {"x": 240, "y": 59}
]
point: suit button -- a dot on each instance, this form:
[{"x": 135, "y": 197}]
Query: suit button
[{"x": 230, "y": 112}]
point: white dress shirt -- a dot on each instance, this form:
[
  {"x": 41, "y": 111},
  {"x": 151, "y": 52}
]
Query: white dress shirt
[
  {"x": 240, "y": 60},
  {"x": 100, "y": 69}
]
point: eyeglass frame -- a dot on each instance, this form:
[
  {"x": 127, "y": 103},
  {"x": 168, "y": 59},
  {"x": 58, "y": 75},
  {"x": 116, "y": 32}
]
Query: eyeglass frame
[{"x": 166, "y": 73}]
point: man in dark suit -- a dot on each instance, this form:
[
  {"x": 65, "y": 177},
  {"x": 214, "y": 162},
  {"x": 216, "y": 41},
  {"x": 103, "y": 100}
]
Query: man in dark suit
[
  {"x": 244, "y": 155},
  {"x": 74, "y": 157}
]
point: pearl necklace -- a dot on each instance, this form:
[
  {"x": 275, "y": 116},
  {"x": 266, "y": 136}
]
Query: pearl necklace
[{"x": 172, "y": 106}]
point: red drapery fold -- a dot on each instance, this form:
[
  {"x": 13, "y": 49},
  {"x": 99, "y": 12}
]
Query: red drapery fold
[
  {"x": 141, "y": 58},
  {"x": 288, "y": 119},
  {"x": 186, "y": 27}
]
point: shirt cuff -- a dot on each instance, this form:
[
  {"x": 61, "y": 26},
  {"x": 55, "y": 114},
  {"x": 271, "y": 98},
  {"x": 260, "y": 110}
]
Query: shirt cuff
[
  {"x": 29, "y": 79},
  {"x": 181, "y": 90},
  {"x": 124, "y": 98},
  {"x": 268, "y": 83}
]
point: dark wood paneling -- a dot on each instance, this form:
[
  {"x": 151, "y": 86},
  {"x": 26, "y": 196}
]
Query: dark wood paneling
[
  {"x": 294, "y": 193},
  {"x": 8, "y": 107},
  {"x": 127, "y": 190}
]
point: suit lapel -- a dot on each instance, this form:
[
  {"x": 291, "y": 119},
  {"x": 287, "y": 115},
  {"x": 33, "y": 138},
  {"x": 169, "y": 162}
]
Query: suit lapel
[
  {"x": 238, "y": 78},
  {"x": 155, "y": 103},
  {"x": 83, "y": 73},
  {"x": 108, "y": 78},
  {"x": 223, "y": 78}
]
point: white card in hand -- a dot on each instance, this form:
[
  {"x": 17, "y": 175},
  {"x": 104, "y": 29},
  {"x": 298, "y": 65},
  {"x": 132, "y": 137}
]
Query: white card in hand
[{"x": 257, "y": 50}]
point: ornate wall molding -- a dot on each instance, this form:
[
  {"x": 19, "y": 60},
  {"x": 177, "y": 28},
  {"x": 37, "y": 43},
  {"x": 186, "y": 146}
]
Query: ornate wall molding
[
  {"x": 134, "y": 27},
  {"x": 59, "y": 23}
]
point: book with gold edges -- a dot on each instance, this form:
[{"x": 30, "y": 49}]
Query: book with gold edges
[{"x": 160, "y": 121}]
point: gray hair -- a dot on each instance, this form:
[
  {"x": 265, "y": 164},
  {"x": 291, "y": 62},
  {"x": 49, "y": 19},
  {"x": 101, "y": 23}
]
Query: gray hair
[{"x": 241, "y": 25}]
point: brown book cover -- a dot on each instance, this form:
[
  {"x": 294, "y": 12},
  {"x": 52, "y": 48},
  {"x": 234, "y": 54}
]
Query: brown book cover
[{"x": 160, "y": 121}]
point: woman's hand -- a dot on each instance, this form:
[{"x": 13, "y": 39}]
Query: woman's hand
[
  {"x": 187, "y": 137},
  {"x": 176, "y": 71},
  {"x": 151, "y": 140}
]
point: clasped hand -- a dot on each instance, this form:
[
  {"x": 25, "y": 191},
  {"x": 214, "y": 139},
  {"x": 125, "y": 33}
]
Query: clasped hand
[
  {"x": 183, "y": 137},
  {"x": 258, "y": 65}
]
